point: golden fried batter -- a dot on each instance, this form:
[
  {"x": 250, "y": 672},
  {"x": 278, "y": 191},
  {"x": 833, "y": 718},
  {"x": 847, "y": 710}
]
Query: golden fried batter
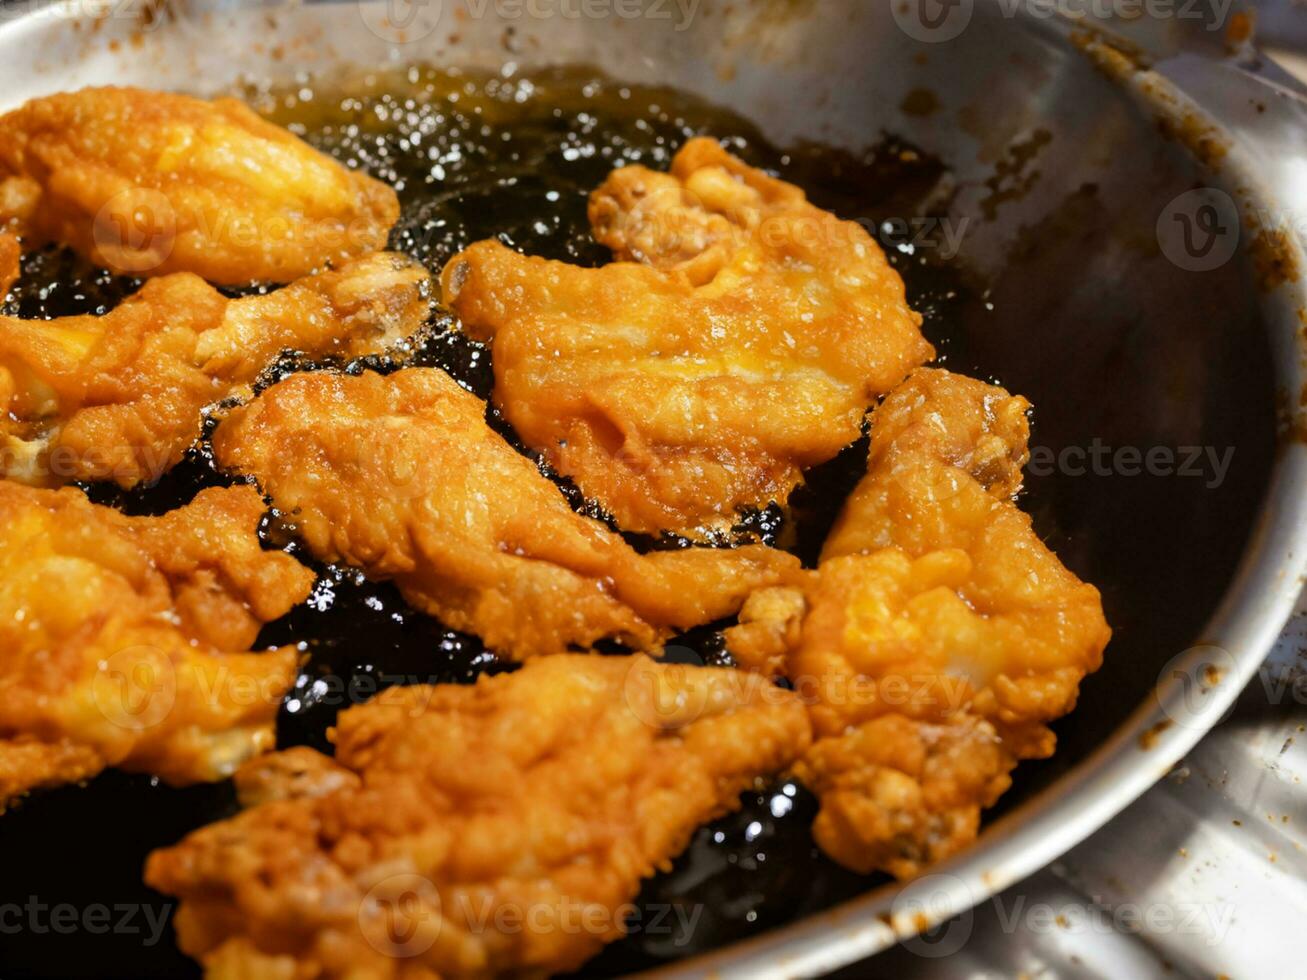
[
  {"x": 937, "y": 639},
  {"x": 148, "y": 183},
  {"x": 479, "y": 831},
  {"x": 401, "y": 476},
  {"x": 119, "y": 397},
  {"x": 744, "y": 346},
  {"x": 11, "y": 254},
  {"x": 123, "y": 641}
]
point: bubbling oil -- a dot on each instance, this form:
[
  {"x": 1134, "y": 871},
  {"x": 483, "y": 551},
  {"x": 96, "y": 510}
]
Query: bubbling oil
[{"x": 514, "y": 156}]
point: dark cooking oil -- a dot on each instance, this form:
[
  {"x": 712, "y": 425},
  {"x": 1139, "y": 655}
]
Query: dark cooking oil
[{"x": 473, "y": 156}]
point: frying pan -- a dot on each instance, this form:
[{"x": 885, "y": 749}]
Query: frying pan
[{"x": 1084, "y": 160}]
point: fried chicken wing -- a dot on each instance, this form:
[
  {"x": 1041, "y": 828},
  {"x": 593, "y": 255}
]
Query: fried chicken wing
[
  {"x": 401, "y": 476},
  {"x": 119, "y": 397},
  {"x": 492, "y": 830},
  {"x": 743, "y": 346},
  {"x": 149, "y": 183},
  {"x": 938, "y": 637},
  {"x": 124, "y": 641}
]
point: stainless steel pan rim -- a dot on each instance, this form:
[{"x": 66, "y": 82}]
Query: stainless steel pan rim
[
  {"x": 51, "y": 42},
  {"x": 1195, "y": 692}
]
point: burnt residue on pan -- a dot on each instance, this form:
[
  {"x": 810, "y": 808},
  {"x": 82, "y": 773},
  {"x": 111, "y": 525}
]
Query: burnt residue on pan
[{"x": 475, "y": 156}]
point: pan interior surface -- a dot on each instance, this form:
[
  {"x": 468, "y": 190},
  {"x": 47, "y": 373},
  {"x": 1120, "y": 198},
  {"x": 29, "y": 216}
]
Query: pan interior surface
[{"x": 1038, "y": 171}]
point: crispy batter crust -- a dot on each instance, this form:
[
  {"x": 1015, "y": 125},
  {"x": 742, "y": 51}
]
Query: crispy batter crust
[
  {"x": 119, "y": 397},
  {"x": 401, "y": 476},
  {"x": 938, "y": 637},
  {"x": 125, "y": 639},
  {"x": 150, "y": 183},
  {"x": 11, "y": 254},
  {"x": 741, "y": 342},
  {"x": 481, "y": 831}
]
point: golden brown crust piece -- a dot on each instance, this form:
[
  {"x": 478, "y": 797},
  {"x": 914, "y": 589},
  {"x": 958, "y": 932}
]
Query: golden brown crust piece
[
  {"x": 692, "y": 221},
  {"x": 938, "y": 637},
  {"x": 11, "y": 254},
  {"x": 491, "y": 830},
  {"x": 126, "y": 639},
  {"x": 150, "y": 183},
  {"x": 401, "y": 476},
  {"x": 119, "y": 397},
  {"x": 743, "y": 347}
]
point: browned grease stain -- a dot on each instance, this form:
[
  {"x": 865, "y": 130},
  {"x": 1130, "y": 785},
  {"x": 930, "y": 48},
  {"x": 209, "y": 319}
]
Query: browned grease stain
[
  {"x": 1012, "y": 179},
  {"x": 1291, "y": 419},
  {"x": 1148, "y": 740},
  {"x": 920, "y": 102},
  {"x": 1114, "y": 57},
  {"x": 152, "y": 13},
  {"x": 1239, "y": 31},
  {"x": 760, "y": 28},
  {"x": 1121, "y": 63},
  {"x": 1199, "y": 136},
  {"x": 1274, "y": 260}
]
